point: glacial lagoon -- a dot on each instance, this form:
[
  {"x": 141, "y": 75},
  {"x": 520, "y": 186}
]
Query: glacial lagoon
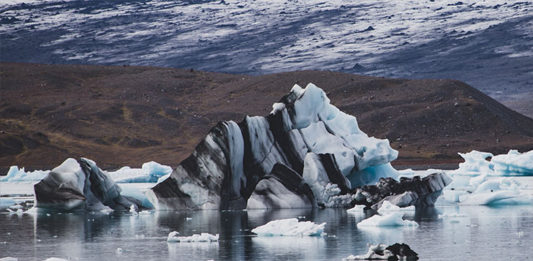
[{"x": 462, "y": 233}]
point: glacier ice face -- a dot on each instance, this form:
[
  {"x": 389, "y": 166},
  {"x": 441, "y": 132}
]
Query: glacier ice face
[
  {"x": 289, "y": 227},
  {"x": 304, "y": 133}
]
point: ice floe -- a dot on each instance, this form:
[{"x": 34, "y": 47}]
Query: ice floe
[
  {"x": 203, "y": 237},
  {"x": 289, "y": 227},
  {"x": 391, "y": 219}
]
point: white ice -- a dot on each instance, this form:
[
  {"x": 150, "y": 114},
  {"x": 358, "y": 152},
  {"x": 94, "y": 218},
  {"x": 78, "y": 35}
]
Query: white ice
[
  {"x": 149, "y": 172},
  {"x": 16, "y": 174},
  {"x": 357, "y": 210},
  {"x": 203, "y": 237},
  {"x": 391, "y": 219},
  {"x": 387, "y": 207},
  {"x": 513, "y": 163},
  {"x": 289, "y": 227},
  {"x": 495, "y": 181}
]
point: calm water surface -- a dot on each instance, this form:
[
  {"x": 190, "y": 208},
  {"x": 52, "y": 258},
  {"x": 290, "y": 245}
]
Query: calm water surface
[{"x": 481, "y": 233}]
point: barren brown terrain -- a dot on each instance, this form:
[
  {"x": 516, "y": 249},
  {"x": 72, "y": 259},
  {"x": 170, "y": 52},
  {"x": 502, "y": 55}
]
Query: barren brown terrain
[{"x": 126, "y": 115}]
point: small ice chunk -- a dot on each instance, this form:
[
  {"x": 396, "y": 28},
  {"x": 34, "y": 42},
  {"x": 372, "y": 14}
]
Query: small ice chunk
[
  {"x": 358, "y": 209},
  {"x": 133, "y": 210},
  {"x": 388, "y": 220},
  {"x": 289, "y": 227},
  {"x": 203, "y": 237},
  {"x": 119, "y": 251},
  {"x": 387, "y": 207}
]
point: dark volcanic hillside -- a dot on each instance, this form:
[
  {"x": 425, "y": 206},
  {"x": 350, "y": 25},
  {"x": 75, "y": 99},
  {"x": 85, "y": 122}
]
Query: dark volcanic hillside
[{"x": 129, "y": 115}]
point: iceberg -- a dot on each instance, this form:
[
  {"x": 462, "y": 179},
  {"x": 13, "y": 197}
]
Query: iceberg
[
  {"x": 391, "y": 219},
  {"x": 480, "y": 181},
  {"x": 150, "y": 172},
  {"x": 513, "y": 163},
  {"x": 80, "y": 184},
  {"x": 173, "y": 237},
  {"x": 289, "y": 227},
  {"x": 304, "y": 133},
  {"x": 16, "y": 174}
]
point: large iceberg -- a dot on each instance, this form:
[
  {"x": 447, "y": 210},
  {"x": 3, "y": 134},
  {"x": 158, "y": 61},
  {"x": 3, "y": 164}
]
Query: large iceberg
[
  {"x": 304, "y": 133},
  {"x": 80, "y": 184}
]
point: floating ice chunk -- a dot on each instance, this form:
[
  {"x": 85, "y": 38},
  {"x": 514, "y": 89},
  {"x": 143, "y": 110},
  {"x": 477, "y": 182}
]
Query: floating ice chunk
[
  {"x": 389, "y": 219},
  {"x": 387, "y": 207},
  {"x": 119, "y": 251},
  {"x": 358, "y": 209},
  {"x": 133, "y": 210},
  {"x": 500, "y": 191},
  {"x": 5, "y": 203},
  {"x": 14, "y": 174},
  {"x": 289, "y": 227},
  {"x": 150, "y": 172},
  {"x": 203, "y": 237}
]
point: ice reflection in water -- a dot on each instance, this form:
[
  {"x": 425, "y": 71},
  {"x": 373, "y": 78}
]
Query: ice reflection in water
[{"x": 464, "y": 232}]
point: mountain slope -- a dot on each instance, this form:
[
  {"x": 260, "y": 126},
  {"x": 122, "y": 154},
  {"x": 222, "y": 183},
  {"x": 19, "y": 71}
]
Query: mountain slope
[{"x": 120, "y": 115}]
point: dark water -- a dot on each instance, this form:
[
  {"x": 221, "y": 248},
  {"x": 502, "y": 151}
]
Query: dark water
[{"x": 482, "y": 233}]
